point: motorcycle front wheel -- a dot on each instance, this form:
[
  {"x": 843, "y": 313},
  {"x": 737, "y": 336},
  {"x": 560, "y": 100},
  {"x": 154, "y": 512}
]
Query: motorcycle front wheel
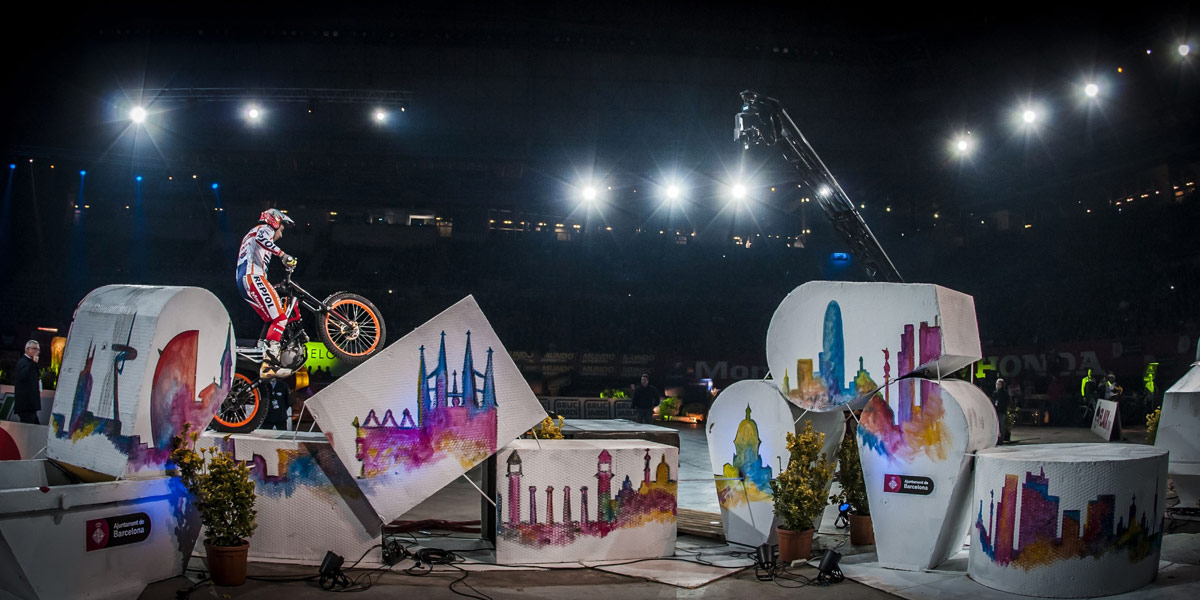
[{"x": 352, "y": 329}]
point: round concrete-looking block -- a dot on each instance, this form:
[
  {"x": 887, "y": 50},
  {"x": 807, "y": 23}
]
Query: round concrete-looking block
[{"x": 1068, "y": 520}]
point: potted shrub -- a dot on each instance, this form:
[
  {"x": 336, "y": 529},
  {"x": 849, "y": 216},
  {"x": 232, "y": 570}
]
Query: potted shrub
[
  {"x": 854, "y": 490},
  {"x": 800, "y": 493},
  {"x": 224, "y": 496}
]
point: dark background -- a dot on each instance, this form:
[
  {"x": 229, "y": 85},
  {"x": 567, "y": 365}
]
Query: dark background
[{"x": 510, "y": 107}]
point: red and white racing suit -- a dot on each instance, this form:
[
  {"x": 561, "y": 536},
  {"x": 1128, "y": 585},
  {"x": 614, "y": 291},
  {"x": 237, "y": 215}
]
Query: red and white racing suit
[{"x": 257, "y": 248}]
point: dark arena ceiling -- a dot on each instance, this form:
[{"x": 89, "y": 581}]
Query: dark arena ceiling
[{"x": 495, "y": 109}]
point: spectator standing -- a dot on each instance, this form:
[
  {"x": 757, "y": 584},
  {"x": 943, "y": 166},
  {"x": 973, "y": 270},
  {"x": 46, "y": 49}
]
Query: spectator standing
[
  {"x": 1000, "y": 401},
  {"x": 279, "y": 400},
  {"x": 27, "y": 383},
  {"x": 645, "y": 398}
]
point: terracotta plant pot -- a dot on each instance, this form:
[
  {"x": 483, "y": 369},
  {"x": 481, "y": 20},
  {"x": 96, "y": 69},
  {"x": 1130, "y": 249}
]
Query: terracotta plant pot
[
  {"x": 794, "y": 545},
  {"x": 862, "y": 533},
  {"x": 227, "y": 564}
]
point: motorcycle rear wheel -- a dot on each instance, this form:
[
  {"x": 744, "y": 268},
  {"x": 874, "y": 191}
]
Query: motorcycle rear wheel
[
  {"x": 358, "y": 339},
  {"x": 243, "y": 408}
]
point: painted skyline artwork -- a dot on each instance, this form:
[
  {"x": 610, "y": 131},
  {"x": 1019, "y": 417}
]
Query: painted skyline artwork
[
  {"x": 654, "y": 499},
  {"x": 298, "y": 479},
  {"x": 173, "y": 398},
  {"x": 139, "y": 363},
  {"x": 823, "y": 344},
  {"x": 425, "y": 409},
  {"x": 569, "y": 500},
  {"x": 1045, "y": 533},
  {"x": 449, "y": 422},
  {"x": 745, "y": 478}
]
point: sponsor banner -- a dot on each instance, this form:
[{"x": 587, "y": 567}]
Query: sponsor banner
[
  {"x": 117, "y": 531},
  {"x": 907, "y": 484},
  {"x": 1107, "y": 414},
  {"x": 1126, "y": 356}
]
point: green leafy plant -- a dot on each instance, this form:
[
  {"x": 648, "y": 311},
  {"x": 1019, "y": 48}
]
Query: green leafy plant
[
  {"x": 669, "y": 407},
  {"x": 800, "y": 488},
  {"x": 220, "y": 486},
  {"x": 1152, "y": 425},
  {"x": 850, "y": 476},
  {"x": 614, "y": 393}
]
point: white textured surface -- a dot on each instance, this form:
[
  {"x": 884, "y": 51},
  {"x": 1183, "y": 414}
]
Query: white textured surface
[
  {"x": 917, "y": 532},
  {"x": 753, "y": 523},
  {"x": 145, "y": 318},
  {"x": 1179, "y": 432},
  {"x": 388, "y": 381},
  {"x": 873, "y": 316},
  {"x": 574, "y": 464},
  {"x": 1176, "y": 581},
  {"x": 1021, "y": 541},
  {"x": 43, "y": 536},
  {"x": 307, "y": 503}
]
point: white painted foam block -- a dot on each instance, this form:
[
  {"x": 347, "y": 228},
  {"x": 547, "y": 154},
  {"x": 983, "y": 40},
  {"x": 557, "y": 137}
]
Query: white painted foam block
[
  {"x": 140, "y": 363},
  {"x": 1068, "y": 520},
  {"x": 747, "y": 444},
  {"x": 426, "y": 409},
  {"x": 826, "y": 342},
  {"x": 915, "y": 440},
  {"x": 89, "y": 540},
  {"x": 1179, "y": 432},
  {"x": 306, "y": 500},
  {"x": 21, "y": 441},
  {"x": 574, "y": 500}
]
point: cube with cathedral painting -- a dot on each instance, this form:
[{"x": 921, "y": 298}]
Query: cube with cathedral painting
[{"x": 582, "y": 500}]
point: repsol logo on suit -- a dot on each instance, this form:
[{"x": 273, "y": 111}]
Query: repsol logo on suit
[{"x": 263, "y": 292}]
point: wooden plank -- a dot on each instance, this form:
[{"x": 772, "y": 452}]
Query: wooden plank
[{"x": 700, "y": 523}]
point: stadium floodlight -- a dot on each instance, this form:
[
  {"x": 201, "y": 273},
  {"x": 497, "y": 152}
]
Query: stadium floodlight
[
  {"x": 738, "y": 191},
  {"x": 1185, "y": 49},
  {"x": 963, "y": 145},
  {"x": 380, "y": 115},
  {"x": 673, "y": 192},
  {"x": 1091, "y": 90},
  {"x": 137, "y": 115},
  {"x": 253, "y": 113},
  {"x": 1029, "y": 116},
  {"x": 824, "y": 190},
  {"x": 589, "y": 193}
]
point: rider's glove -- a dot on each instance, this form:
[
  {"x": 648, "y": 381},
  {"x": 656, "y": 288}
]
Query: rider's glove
[{"x": 289, "y": 261}]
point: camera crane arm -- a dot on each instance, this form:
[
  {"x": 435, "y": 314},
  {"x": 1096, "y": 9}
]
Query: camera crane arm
[{"x": 763, "y": 121}]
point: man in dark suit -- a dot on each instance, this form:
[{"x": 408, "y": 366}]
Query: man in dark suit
[
  {"x": 279, "y": 400},
  {"x": 26, "y": 381},
  {"x": 645, "y": 398}
]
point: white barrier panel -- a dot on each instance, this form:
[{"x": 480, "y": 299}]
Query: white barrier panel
[
  {"x": 574, "y": 500},
  {"x": 89, "y": 540},
  {"x": 1179, "y": 432},
  {"x": 747, "y": 444},
  {"x": 21, "y": 441},
  {"x": 1068, "y": 520},
  {"x": 307, "y": 503},
  {"x": 140, "y": 363},
  {"x": 917, "y": 467},
  {"x": 1107, "y": 414},
  {"x": 831, "y": 342},
  {"x": 421, "y": 413}
]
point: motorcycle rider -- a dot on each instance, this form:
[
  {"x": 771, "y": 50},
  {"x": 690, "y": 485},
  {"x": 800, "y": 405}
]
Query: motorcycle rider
[{"x": 255, "y": 254}]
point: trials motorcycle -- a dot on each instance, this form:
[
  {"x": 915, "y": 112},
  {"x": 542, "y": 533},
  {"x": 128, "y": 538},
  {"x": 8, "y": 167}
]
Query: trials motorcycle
[{"x": 348, "y": 324}]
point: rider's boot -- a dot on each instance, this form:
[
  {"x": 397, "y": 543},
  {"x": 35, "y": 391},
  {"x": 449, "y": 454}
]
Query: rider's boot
[{"x": 270, "y": 366}]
